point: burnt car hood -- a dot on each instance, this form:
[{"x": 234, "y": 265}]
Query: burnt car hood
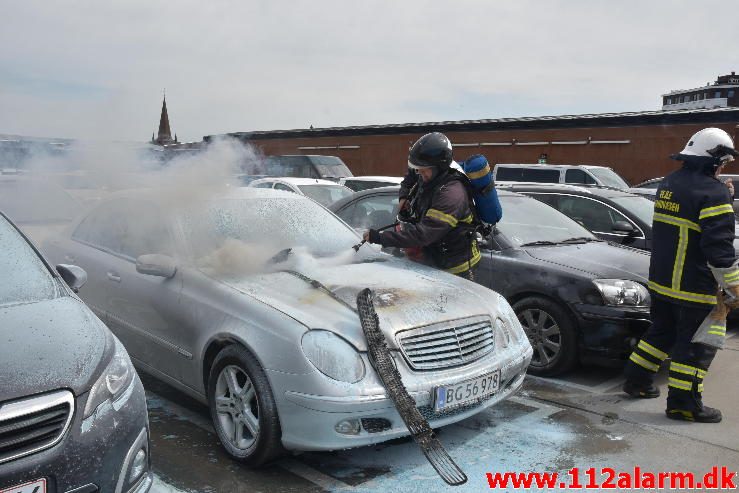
[
  {"x": 598, "y": 259},
  {"x": 49, "y": 345},
  {"x": 406, "y": 295}
]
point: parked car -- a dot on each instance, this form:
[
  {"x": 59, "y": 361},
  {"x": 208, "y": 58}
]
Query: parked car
[
  {"x": 245, "y": 303},
  {"x": 577, "y": 297},
  {"x": 322, "y": 191},
  {"x": 306, "y": 166},
  {"x": 72, "y": 409},
  {"x": 559, "y": 173},
  {"x": 357, "y": 183},
  {"x": 611, "y": 214}
]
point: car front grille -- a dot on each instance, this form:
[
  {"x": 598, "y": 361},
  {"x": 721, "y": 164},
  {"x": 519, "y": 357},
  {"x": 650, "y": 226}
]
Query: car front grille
[
  {"x": 33, "y": 424},
  {"x": 447, "y": 344}
]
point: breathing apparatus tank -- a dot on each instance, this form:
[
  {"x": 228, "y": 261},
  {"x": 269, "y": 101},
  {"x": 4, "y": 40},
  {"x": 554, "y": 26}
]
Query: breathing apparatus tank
[{"x": 485, "y": 196}]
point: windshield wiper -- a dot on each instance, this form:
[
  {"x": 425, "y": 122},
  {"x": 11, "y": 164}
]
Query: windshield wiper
[
  {"x": 580, "y": 239},
  {"x": 539, "y": 243}
]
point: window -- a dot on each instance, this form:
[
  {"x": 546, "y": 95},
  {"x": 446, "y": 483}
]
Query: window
[
  {"x": 578, "y": 176},
  {"x": 325, "y": 194},
  {"x": 374, "y": 211},
  {"x": 539, "y": 175},
  {"x": 730, "y": 94},
  {"x": 717, "y": 94},
  {"x": 126, "y": 227},
  {"x": 594, "y": 215},
  {"x": 265, "y": 184},
  {"x": 282, "y": 186}
]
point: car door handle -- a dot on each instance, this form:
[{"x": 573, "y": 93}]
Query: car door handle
[{"x": 113, "y": 276}]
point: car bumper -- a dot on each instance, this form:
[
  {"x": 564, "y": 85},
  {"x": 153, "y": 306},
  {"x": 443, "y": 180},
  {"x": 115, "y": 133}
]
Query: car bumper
[
  {"x": 309, "y": 420},
  {"x": 95, "y": 454},
  {"x": 608, "y": 334}
]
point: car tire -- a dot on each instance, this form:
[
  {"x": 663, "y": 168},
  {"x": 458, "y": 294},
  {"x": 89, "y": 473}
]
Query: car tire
[
  {"x": 242, "y": 407},
  {"x": 552, "y": 335}
]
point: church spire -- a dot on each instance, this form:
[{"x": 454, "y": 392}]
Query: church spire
[{"x": 164, "y": 136}]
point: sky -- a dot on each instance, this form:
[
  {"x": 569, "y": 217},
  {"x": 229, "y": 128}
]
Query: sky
[{"x": 97, "y": 70}]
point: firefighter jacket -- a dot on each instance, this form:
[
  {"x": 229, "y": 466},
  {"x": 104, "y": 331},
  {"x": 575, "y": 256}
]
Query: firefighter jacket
[
  {"x": 693, "y": 227},
  {"x": 443, "y": 223}
]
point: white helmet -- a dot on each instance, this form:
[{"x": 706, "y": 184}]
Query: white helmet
[{"x": 712, "y": 143}]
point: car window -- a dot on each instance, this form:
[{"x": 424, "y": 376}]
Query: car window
[
  {"x": 126, "y": 227},
  {"x": 25, "y": 278},
  {"x": 608, "y": 177},
  {"x": 325, "y": 194},
  {"x": 538, "y": 175},
  {"x": 640, "y": 207},
  {"x": 297, "y": 166},
  {"x": 374, "y": 212},
  {"x": 330, "y": 166},
  {"x": 527, "y": 220},
  {"x": 266, "y": 184},
  {"x": 282, "y": 186},
  {"x": 594, "y": 215},
  {"x": 578, "y": 176}
]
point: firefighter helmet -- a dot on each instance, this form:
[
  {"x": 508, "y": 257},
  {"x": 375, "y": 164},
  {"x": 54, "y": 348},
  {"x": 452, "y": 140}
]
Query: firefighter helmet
[
  {"x": 432, "y": 149},
  {"x": 710, "y": 143}
]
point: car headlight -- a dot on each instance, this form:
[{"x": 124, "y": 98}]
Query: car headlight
[
  {"x": 333, "y": 356},
  {"x": 620, "y": 292},
  {"x": 113, "y": 382},
  {"x": 510, "y": 320}
]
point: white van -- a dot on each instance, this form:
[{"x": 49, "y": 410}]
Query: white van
[{"x": 581, "y": 174}]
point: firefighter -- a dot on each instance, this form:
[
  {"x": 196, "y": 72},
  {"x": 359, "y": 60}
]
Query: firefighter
[
  {"x": 693, "y": 238},
  {"x": 439, "y": 217}
]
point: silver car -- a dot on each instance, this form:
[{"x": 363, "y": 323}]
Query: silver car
[{"x": 245, "y": 303}]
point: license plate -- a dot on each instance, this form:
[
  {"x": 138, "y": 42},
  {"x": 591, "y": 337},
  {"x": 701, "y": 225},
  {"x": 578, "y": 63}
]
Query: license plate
[
  {"x": 38, "y": 486},
  {"x": 459, "y": 394}
]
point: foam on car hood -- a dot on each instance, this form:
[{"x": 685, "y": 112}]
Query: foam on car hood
[
  {"x": 49, "y": 345},
  {"x": 406, "y": 296}
]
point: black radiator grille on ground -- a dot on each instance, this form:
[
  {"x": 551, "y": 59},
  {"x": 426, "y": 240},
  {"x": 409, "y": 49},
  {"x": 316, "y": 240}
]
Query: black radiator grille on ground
[{"x": 22, "y": 433}]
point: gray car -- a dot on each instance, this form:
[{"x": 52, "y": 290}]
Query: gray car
[
  {"x": 245, "y": 303},
  {"x": 72, "y": 409}
]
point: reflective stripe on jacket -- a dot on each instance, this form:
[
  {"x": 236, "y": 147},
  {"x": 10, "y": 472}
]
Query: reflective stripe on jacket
[{"x": 693, "y": 226}]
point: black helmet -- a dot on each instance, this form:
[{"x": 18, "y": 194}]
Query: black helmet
[{"x": 432, "y": 149}]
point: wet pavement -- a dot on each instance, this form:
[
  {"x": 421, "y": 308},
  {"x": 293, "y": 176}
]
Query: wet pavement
[{"x": 582, "y": 420}]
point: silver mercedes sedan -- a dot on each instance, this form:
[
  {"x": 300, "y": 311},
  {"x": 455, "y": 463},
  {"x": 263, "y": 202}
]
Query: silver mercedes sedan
[{"x": 246, "y": 302}]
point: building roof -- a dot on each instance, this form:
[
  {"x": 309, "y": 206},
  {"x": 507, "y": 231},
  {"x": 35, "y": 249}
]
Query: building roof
[{"x": 657, "y": 117}]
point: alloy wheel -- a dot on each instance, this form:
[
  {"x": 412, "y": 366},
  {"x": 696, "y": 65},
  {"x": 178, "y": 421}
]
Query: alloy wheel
[
  {"x": 544, "y": 335},
  {"x": 237, "y": 407}
]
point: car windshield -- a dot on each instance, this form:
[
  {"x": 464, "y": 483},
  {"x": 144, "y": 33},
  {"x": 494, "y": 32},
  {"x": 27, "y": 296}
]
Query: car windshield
[
  {"x": 233, "y": 232},
  {"x": 641, "y": 207},
  {"x": 608, "y": 177},
  {"x": 526, "y": 220},
  {"x": 331, "y": 166},
  {"x": 25, "y": 278},
  {"x": 325, "y": 194}
]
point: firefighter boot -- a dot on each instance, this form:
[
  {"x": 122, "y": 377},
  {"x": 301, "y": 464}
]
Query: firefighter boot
[
  {"x": 687, "y": 405},
  {"x": 641, "y": 390}
]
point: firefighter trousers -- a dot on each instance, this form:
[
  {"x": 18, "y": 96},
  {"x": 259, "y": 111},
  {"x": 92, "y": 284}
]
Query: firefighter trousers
[{"x": 673, "y": 327}]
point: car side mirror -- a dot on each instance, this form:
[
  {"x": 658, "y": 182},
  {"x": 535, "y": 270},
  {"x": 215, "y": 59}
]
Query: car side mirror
[
  {"x": 156, "y": 264},
  {"x": 74, "y": 276},
  {"x": 624, "y": 227}
]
